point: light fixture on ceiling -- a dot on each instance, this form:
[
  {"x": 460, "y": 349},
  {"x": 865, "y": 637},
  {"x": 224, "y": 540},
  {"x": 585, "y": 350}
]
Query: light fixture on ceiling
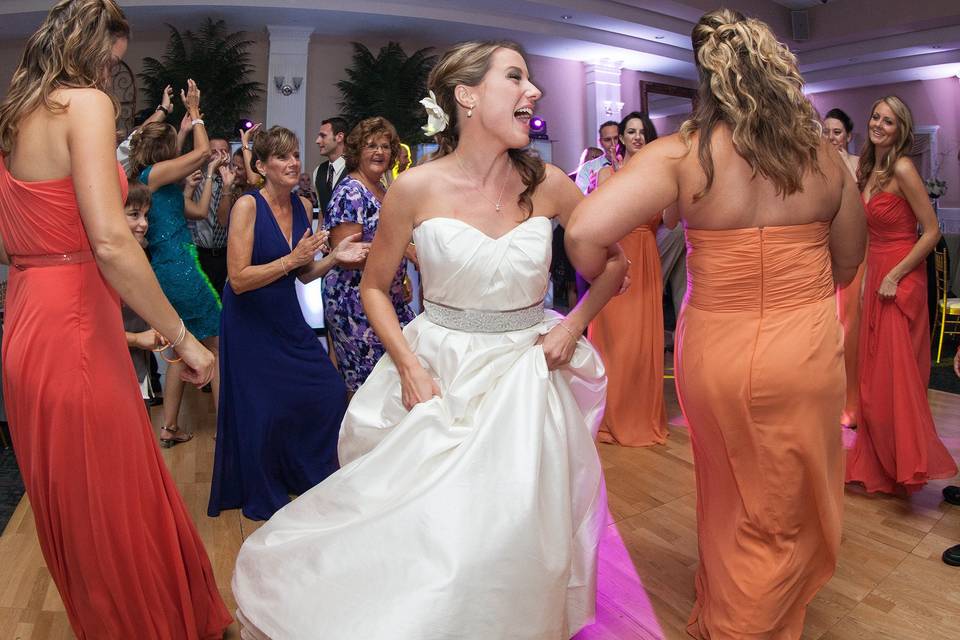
[
  {"x": 853, "y": 59},
  {"x": 658, "y": 37},
  {"x": 566, "y": 16}
]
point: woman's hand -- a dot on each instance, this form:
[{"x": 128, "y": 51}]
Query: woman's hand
[
  {"x": 229, "y": 176},
  {"x": 351, "y": 250},
  {"x": 217, "y": 159},
  {"x": 309, "y": 245},
  {"x": 410, "y": 253},
  {"x": 192, "y": 181},
  {"x": 191, "y": 99},
  {"x": 166, "y": 100},
  {"x": 416, "y": 385},
  {"x": 148, "y": 340},
  {"x": 888, "y": 289},
  {"x": 247, "y": 134},
  {"x": 198, "y": 360},
  {"x": 559, "y": 345}
]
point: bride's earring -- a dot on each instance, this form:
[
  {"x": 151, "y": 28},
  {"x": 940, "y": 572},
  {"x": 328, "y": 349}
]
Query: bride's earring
[{"x": 469, "y": 113}]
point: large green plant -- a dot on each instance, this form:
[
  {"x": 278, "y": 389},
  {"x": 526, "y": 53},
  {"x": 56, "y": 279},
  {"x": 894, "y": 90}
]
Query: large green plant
[
  {"x": 389, "y": 84},
  {"x": 219, "y": 62}
]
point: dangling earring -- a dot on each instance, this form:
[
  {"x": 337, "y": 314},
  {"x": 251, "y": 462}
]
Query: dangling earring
[{"x": 469, "y": 113}]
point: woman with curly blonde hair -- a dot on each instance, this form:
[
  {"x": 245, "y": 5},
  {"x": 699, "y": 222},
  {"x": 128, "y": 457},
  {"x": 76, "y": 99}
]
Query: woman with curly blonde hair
[
  {"x": 114, "y": 531},
  {"x": 773, "y": 221},
  {"x": 897, "y": 448}
]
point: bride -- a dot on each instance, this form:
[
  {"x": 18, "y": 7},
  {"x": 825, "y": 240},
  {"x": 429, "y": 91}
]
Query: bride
[{"x": 471, "y": 501}]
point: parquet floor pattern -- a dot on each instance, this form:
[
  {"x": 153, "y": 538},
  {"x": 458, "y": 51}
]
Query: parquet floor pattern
[{"x": 890, "y": 583}]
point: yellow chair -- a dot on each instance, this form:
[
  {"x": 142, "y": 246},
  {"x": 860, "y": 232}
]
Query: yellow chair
[{"x": 948, "y": 309}]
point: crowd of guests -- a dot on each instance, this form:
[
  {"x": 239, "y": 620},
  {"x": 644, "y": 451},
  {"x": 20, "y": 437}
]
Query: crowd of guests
[{"x": 772, "y": 273}]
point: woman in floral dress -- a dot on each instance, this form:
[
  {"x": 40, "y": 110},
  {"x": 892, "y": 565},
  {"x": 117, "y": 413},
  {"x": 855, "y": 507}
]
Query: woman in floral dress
[{"x": 355, "y": 207}]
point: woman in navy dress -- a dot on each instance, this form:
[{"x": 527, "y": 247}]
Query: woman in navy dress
[{"x": 281, "y": 399}]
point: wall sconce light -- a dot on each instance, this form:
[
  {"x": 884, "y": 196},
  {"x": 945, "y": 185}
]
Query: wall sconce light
[
  {"x": 612, "y": 109},
  {"x": 287, "y": 89}
]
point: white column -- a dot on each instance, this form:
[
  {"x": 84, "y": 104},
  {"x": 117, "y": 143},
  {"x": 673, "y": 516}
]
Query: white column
[
  {"x": 603, "y": 95},
  {"x": 288, "y": 64}
]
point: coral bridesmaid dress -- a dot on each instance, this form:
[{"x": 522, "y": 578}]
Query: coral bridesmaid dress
[
  {"x": 114, "y": 532},
  {"x": 628, "y": 333},
  {"x": 760, "y": 378},
  {"x": 896, "y": 441},
  {"x": 848, "y": 310}
]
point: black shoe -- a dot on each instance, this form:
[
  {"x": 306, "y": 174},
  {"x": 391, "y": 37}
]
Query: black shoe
[
  {"x": 952, "y": 494},
  {"x": 952, "y": 556}
]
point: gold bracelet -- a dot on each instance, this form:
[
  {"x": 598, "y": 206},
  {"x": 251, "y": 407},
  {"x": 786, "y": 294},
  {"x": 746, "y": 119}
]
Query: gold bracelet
[{"x": 567, "y": 329}]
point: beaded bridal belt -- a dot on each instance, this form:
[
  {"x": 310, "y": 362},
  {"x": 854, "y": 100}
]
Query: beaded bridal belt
[
  {"x": 477, "y": 321},
  {"x": 22, "y": 262}
]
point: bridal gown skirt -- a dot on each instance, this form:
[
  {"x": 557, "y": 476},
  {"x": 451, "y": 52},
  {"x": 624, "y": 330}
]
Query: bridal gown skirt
[{"x": 477, "y": 515}]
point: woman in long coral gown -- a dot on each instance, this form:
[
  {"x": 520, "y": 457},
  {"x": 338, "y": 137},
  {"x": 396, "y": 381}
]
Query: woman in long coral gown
[
  {"x": 771, "y": 221},
  {"x": 896, "y": 446},
  {"x": 115, "y": 534},
  {"x": 837, "y": 128},
  {"x": 628, "y": 332}
]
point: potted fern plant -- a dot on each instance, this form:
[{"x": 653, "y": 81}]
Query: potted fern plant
[
  {"x": 388, "y": 84},
  {"x": 219, "y": 61}
]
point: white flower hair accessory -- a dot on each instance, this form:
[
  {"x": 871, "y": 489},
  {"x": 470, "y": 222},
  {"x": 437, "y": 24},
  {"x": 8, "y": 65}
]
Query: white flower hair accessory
[{"x": 437, "y": 119}]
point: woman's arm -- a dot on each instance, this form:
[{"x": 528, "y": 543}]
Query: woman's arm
[
  {"x": 227, "y": 176},
  {"x": 348, "y": 250},
  {"x": 90, "y": 139},
  {"x": 633, "y": 195},
  {"x": 604, "y": 174},
  {"x": 391, "y": 240},
  {"x": 916, "y": 194},
  {"x": 145, "y": 340},
  {"x": 848, "y": 230},
  {"x": 254, "y": 179},
  {"x": 347, "y": 217},
  {"x": 247, "y": 277},
  {"x": 199, "y": 210},
  {"x": 560, "y": 343},
  {"x": 176, "y": 169}
]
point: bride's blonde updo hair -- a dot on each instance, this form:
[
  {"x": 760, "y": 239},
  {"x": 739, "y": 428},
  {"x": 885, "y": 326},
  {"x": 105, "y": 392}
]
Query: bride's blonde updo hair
[
  {"x": 466, "y": 64},
  {"x": 750, "y": 82}
]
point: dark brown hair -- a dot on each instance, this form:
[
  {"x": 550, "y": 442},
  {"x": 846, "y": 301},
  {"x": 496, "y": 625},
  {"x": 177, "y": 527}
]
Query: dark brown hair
[
  {"x": 138, "y": 195},
  {"x": 72, "y": 48},
  {"x": 367, "y": 131},
  {"x": 466, "y": 64}
]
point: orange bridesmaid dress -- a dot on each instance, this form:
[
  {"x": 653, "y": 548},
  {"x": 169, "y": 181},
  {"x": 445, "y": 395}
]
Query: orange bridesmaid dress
[
  {"x": 760, "y": 378},
  {"x": 628, "y": 333},
  {"x": 113, "y": 529},
  {"x": 848, "y": 310},
  {"x": 896, "y": 442}
]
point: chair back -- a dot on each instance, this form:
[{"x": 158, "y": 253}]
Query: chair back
[{"x": 943, "y": 278}]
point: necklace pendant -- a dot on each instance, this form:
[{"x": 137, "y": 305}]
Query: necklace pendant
[{"x": 498, "y": 207}]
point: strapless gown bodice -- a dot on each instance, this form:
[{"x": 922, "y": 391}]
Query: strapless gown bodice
[
  {"x": 464, "y": 268},
  {"x": 758, "y": 268}
]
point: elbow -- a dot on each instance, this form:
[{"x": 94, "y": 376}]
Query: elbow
[{"x": 108, "y": 251}]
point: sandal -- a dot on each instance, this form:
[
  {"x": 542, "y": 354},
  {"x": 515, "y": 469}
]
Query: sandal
[{"x": 176, "y": 438}]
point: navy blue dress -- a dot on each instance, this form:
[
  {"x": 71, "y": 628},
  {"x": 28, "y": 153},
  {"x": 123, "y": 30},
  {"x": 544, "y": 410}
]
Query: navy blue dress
[{"x": 281, "y": 400}]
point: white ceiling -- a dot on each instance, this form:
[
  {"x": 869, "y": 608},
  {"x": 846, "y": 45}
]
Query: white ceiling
[{"x": 892, "y": 41}]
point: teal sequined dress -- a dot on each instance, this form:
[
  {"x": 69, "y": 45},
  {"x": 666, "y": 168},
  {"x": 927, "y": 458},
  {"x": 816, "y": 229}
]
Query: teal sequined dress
[{"x": 174, "y": 259}]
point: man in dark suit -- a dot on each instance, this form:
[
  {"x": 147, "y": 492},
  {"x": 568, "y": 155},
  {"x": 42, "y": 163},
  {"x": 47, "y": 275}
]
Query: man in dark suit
[{"x": 333, "y": 132}]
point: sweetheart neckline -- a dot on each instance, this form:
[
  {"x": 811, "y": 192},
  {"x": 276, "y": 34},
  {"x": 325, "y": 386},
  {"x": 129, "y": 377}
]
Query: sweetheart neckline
[{"x": 485, "y": 235}]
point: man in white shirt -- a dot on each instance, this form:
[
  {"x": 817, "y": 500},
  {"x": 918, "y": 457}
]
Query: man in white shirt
[
  {"x": 609, "y": 139},
  {"x": 333, "y": 132}
]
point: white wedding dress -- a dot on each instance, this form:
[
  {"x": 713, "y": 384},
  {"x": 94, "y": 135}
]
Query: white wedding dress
[{"x": 477, "y": 515}]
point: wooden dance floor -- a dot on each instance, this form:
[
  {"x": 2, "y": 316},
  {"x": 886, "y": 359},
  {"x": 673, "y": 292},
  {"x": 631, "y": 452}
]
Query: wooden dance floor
[{"x": 890, "y": 583}]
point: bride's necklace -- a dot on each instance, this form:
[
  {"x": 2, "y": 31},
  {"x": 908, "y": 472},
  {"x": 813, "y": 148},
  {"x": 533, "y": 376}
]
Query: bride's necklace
[{"x": 477, "y": 185}]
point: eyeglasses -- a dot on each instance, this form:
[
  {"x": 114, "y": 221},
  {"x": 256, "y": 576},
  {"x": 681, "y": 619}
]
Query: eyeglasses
[{"x": 376, "y": 147}]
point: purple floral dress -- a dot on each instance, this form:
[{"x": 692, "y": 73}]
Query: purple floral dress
[{"x": 357, "y": 346}]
